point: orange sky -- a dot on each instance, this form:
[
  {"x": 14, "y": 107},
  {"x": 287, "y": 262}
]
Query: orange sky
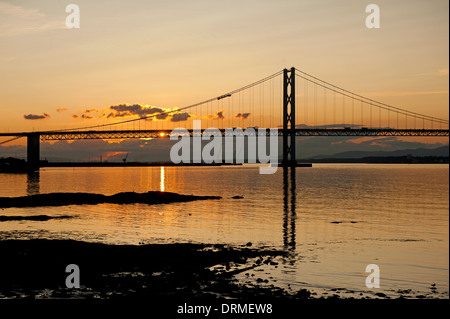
[{"x": 175, "y": 53}]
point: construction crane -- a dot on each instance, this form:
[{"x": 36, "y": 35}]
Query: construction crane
[{"x": 126, "y": 157}]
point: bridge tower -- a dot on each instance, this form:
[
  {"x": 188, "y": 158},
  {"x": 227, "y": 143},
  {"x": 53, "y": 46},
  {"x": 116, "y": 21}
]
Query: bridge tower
[
  {"x": 33, "y": 150},
  {"x": 289, "y": 158}
]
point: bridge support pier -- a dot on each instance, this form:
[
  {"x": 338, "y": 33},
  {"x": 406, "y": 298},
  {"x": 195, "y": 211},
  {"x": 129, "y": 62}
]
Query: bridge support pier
[
  {"x": 33, "y": 151},
  {"x": 289, "y": 158}
]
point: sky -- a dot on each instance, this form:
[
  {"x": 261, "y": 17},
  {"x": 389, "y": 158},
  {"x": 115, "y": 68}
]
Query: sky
[{"x": 170, "y": 54}]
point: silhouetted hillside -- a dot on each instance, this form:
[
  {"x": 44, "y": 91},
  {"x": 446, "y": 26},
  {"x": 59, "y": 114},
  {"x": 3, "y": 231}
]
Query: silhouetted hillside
[{"x": 442, "y": 151}]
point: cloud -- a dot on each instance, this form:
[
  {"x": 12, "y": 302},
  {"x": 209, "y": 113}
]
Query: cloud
[
  {"x": 131, "y": 110},
  {"x": 18, "y": 20},
  {"x": 19, "y": 12},
  {"x": 84, "y": 116},
  {"x": 162, "y": 116},
  {"x": 123, "y": 110},
  {"x": 217, "y": 116},
  {"x": 439, "y": 72},
  {"x": 180, "y": 117},
  {"x": 138, "y": 110},
  {"x": 61, "y": 110},
  {"x": 220, "y": 115},
  {"x": 244, "y": 116},
  {"x": 36, "y": 116},
  {"x": 91, "y": 150}
]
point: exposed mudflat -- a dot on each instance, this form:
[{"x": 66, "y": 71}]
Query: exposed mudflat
[
  {"x": 37, "y": 269},
  {"x": 63, "y": 199}
]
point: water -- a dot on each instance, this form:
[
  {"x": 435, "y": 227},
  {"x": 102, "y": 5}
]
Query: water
[{"x": 342, "y": 218}]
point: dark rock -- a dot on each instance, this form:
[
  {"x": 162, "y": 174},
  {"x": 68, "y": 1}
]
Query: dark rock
[
  {"x": 303, "y": 294},
  {"x": 63, "y": 199},
  {"x": 41, "y": 218}
]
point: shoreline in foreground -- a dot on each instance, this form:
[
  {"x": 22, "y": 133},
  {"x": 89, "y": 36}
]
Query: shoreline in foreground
[{"x": 36, "y": 269}]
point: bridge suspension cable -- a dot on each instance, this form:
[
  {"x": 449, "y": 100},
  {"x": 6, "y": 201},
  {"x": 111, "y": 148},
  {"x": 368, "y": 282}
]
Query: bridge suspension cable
[
  {"x": 373, "y": 103},
  {"x": 217, "y": 98}
]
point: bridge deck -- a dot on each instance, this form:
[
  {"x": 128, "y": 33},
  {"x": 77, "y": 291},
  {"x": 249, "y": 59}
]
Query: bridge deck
[{"x": 126, "y": 134}]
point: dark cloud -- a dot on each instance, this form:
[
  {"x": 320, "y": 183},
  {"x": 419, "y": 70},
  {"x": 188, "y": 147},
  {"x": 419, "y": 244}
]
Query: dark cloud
[
  {"x": 242, "y": 115},
  {"x": 220, "y": 115},
  {"x": 162, "y": 116},
  {"x": 122, "y": 110},
  {"x": 83, "y": 116},
  {"x": 87, "y": 114},
  {"x": 217, "y": 116},
  {"x": 36, "y": 116},
  {"x": 180, "y": 117}
]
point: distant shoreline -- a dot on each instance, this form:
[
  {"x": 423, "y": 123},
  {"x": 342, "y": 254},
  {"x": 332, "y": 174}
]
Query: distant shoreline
[
  {"x": 384, "y": 160},
  {"x": 19, "y": 166},
  {"x": 365, "y": 160}
]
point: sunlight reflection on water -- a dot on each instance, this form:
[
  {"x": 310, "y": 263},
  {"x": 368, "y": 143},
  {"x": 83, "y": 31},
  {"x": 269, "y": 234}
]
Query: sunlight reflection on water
[{"x": 335, "y": 219}]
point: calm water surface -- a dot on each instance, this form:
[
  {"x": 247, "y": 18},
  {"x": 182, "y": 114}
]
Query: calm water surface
[{"x": 335, "y": 219}]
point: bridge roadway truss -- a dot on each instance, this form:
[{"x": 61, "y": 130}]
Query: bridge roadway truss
[
  {"x": 89, "y": 135},
  {"x": 127, "y": 134}
]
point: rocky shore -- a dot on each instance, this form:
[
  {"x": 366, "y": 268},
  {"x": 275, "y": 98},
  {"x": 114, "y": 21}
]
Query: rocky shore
[
  {"x": 63, "y": 199},
  {"x": 37, "y": 269},
  {"x": 161, "y": 280}
]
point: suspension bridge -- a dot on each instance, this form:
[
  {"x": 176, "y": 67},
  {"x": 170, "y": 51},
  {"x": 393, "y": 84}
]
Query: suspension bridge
[{"x": 293, "y": 101}]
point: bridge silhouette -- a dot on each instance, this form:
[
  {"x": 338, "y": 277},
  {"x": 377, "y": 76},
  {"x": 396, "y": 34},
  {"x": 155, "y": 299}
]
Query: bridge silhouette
[{"x": 279, "y": 101}]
